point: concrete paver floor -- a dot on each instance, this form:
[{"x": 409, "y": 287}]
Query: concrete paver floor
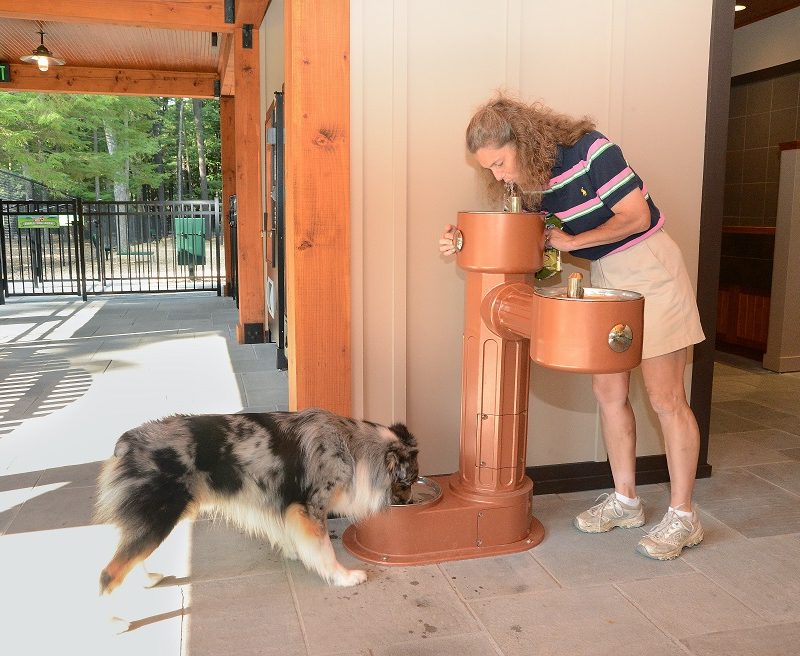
[{"x": 75, "y": 375}]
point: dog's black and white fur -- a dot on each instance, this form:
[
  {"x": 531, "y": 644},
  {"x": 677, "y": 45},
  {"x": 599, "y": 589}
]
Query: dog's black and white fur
[{"x": 277, "y": 475}]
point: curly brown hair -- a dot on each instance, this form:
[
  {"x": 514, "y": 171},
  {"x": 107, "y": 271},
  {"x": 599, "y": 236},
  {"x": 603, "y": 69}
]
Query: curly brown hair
[{"x": 535, "y": 129}]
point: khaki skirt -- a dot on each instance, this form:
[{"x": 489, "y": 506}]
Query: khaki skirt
[{"x": 655, "y": 269}]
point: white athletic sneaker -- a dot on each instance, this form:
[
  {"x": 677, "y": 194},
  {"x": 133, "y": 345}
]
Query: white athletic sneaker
[
  {"x": 667, "y": 539},
  {"x": 609, "y": 513}
]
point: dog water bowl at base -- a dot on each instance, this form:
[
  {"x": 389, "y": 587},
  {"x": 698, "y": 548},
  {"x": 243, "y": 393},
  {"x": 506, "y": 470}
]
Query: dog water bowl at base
[
  {"x": 448, "y": 523},
  {"x": 424, "y": 491}
]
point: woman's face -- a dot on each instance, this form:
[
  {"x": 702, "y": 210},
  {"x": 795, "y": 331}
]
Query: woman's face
[{"x": 502, "y": 162}]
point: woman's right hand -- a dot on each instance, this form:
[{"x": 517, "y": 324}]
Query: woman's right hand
[{"x": 447, "y": 244}]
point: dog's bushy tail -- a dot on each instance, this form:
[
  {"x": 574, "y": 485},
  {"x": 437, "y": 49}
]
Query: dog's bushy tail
[{"x": 144, "y": 506}]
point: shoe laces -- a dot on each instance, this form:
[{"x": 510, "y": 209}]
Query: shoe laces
[
  {"x": 670, "y": 520},
  {"x": 607, "y": 499}
]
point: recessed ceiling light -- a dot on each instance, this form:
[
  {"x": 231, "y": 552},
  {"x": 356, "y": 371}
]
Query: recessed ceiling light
[{"x": 739, "y": 7}]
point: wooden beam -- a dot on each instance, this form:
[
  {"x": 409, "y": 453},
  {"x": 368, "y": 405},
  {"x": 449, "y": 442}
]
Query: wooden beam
[
  {"x": 225, "y": 69},
  {"x": 199, "y": 15},
  {"x": 111, "y": 81},
  {"x": 247, "y": 113},
  {"x": 227, "y": 129},
  {"x": 251, "y": 11},
  {"x": 317, "y": 123}
]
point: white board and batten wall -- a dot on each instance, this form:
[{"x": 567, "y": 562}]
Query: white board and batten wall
[{"x": 418, "y": 71}]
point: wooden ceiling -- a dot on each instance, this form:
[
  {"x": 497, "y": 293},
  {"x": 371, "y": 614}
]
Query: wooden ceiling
[{"x": 155, "y": 47}]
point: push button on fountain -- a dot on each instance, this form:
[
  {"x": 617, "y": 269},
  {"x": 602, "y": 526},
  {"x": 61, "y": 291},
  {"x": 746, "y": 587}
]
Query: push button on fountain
[
  {"x": 620, "y": 338},
  {"x": 458, "y": 239}
]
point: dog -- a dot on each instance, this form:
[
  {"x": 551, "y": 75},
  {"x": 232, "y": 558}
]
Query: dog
[{"x": 277, "y": 475}]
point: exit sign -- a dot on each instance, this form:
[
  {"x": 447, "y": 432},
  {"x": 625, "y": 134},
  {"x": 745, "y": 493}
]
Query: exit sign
[{"x": 5, "y": 72}]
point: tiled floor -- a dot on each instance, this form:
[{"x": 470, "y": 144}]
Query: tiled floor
[{"x": 74, "y": 375}]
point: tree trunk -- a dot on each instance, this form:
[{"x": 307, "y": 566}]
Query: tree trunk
[
  {"x": 97, "y": 177},
  {"x": 179, "y": 157},
  {"x": 199, "y": 135},
  {"x": 121, "y": 192},
  {"x": 158, "y": 127},
  {"x": 188, "y": 168}
]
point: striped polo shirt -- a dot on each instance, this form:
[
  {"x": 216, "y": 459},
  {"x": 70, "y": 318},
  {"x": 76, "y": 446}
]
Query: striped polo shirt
[{"x": 588, "y": 179}]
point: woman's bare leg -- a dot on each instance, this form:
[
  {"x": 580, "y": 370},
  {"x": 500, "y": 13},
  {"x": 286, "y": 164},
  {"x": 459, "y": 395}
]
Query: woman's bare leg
[
  {"x": 663, "y": 378},
  {"x": 619, "y": 428}
]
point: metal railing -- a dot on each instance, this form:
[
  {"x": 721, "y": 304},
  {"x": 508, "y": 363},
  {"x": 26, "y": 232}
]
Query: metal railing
[{"x": 109, "y": 247}]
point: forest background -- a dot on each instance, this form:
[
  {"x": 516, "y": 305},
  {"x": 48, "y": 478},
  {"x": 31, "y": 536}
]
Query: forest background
[{"x": 113, "y": 147}]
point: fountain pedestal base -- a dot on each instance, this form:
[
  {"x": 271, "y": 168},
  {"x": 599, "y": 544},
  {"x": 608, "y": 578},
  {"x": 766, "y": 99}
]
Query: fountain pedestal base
[{"x": 461, "y": 524}]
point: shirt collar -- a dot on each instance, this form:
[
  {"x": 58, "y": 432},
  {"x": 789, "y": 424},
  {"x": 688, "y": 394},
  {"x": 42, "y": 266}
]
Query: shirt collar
[{"x": 559, "y": 157}]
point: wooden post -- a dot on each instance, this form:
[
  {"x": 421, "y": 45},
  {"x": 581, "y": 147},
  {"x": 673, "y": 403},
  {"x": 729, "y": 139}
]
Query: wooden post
[
  {"x": 247, "y": 116},
  {"x": 317, "y": 86},
  {"x": 227, "y": 128}
]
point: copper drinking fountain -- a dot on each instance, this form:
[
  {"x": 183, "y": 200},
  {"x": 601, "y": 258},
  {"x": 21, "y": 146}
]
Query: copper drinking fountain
[{"x": 484, "y": 509}]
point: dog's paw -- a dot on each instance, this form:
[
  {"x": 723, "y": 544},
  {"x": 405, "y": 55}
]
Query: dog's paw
[
  {"x": 349, "y": 577},
  {"x": 152, "y": 579}
]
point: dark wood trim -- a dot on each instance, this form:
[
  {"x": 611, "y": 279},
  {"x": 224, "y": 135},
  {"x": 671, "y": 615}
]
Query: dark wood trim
[
  {"x": 789, "y": 145},
  {"x": 710, "y": 239},
  {"x": 578, "y": 476},
  {"x": 744, "y": 19},
  {"x": 749, "y": 230},
  {"x": 766, "y": 73}
]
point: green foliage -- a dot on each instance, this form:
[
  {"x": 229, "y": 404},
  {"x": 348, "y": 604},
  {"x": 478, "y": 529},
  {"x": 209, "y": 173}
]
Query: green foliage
[{"x": 68, "y": 142}]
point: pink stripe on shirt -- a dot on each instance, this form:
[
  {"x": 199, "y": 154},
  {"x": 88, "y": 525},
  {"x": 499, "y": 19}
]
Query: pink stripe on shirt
[
  {"x": 659, "y": 224},
  {"x": 582, "y": 164},
  {"x": 615, "y": 180}
]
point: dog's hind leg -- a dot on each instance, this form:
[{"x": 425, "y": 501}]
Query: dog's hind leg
[
  {"x": 129, "y": 553},
  {"x": 146, "y": 516},
  {"x": 309, "y": 535}
]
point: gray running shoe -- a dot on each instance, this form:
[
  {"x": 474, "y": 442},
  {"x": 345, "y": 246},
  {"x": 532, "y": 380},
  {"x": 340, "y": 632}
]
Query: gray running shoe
[
  {"x": 667, "y": 539},
  {"x": 609, "y": 513}
]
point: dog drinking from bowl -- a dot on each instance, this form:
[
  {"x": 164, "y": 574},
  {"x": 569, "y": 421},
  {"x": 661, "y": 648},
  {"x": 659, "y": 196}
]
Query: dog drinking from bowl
[{"x": 277, "y": 475}]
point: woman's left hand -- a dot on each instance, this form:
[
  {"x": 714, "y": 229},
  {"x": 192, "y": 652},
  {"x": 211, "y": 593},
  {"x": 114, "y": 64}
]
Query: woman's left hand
[{"x": 558, "y": 239}]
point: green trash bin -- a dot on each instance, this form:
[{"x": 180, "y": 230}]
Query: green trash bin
[{"x": 190, "y": 239}]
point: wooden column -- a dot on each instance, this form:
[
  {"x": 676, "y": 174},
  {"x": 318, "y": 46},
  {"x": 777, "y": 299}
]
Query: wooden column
[
  {"x": 247, "y": 117},
  {"x": 317, "y": 86},
  {"x": 228, "y": 165}
]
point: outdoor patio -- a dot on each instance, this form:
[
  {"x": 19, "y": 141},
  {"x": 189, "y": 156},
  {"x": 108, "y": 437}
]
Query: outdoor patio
[{"x": 74, "y": 375}]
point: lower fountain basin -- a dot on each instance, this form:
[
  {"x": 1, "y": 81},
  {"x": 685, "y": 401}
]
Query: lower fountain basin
[{"x": 598, "y": 333}]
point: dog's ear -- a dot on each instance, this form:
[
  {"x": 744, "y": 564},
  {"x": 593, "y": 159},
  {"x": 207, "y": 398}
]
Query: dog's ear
[
  {"x": 403, "y": 434},
  {"x": 398, "y": 464}
]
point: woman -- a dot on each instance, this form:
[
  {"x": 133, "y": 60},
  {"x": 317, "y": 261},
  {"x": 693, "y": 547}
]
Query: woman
[{"x": 565, "y": 167}]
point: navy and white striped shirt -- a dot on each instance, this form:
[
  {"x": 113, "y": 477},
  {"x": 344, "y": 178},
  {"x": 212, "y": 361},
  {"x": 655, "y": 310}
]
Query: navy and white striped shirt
[{"x": 588, "y": 179}]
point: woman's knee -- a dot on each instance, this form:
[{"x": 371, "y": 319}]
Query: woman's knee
[
  {"x": 667, "y": 400},
  {"x": 611, "y": 389}
]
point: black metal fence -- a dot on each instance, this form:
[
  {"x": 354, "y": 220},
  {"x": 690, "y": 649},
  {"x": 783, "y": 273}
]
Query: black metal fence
[{"x": 69, "y": 247}]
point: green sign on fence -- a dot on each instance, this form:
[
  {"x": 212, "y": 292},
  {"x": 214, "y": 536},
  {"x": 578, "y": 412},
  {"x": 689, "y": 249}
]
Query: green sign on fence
[
  {"x": 5, "y": 72},
  {"x": 47, "y": 221}
]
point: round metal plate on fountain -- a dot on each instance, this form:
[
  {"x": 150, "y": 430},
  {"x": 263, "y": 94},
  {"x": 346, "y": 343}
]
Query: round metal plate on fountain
[
  {"x": 424, "y": 491},
  {"x": 620, "y": 338}
]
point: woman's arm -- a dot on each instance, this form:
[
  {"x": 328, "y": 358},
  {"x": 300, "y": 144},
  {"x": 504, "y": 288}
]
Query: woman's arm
[{"x": 631, "y": 216}]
